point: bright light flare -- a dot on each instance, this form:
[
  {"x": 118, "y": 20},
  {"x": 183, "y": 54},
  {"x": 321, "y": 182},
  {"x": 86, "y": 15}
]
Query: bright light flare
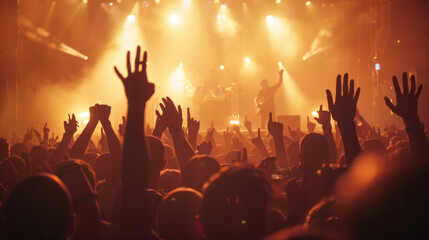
[
  {"x": 131, "y": 18},
  {"x": 278, "y": 1},
  {"x": 270, "y": 21},
  {"x": 221, "y": 67},
  {"x": 377, "y": 66},
  {"x": 85, "y": 1},
  {"x": 174, "y": 19},
  {"x": 234, "y": 122},
  {"x": 247, "y": 60},
  {"x": 180, "y": 64},
  {"x": 308, "y": 3},
  {"x": 187, "y": 2},
  {"x": 315, "y": 114},
  {"x": 84, "y": 117}
]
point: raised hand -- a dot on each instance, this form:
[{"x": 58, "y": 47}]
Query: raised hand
[
  {"x": 103, "y": 112},
  {"x": 324, "y": 118},
  {"x": 281, "y": 75},
  {"x": 343, "y": 111},
  {"x": 137, "y": 88},
  {"x": 193, "y": 128},
  {"x": 160, "y": 125},
  {"x": 310, "y": 125},
  {"x": 53, "y": 140},
  {"x": 171, "y": 115},
  {"x": 406, "y": 101},
  {"x": 71, "y": 126},
  {"x": 121, "y": 128},
  {"x": 205, "y": 147},
  {"x": 247, "y": 124},
  {"x": 93, "y": 115},
  {"x": 275, "y": 128},
  {"x": 210, "y": 134},
  {"x": 28, "y": 135},
  {"x": 406, "y": 107},
  {"x": 237, "y": 144},
  {"x": 344, "y": 108},
  {"x": 193, "y": 124}
]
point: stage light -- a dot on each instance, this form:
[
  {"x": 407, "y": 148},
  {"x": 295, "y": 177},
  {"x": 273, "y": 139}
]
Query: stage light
[
  {"x": 308, "y": 3},
  {"x": 280, "y": 64},
  {"x": 304, "y": 58},
  {"x": 377, "y": 66},
  {"x": 221, "y": 67},
  {"x": 85, "y": 58},
  {"x": 315, "y": 114},
  {"x": 85, "y": 1},
  {"x": 187, "y": 2},
  {"x": 234, "y": 122},
  {"x": 157, "y": 1},
  {"x": 84, "y": 117},
  {"x": 181, "y": 64},
  {"x": 278, "y": 1},
  {"x": 131, "y": 18},
  {"x": 174, "y": 19},
  {"x": 272, "y": 22},
  {"x": 216, "y": 1},
  {"x": 219, "y": 16},
  {"x": 247, "y": 60}
]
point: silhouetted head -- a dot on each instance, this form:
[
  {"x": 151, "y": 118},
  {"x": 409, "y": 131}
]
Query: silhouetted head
[
  {"x": 18, "y": 148},
  {"x": 86, "y": 168},
  {"x": 178, "y": 215},
  {"x": 302, "y": 233},
  {"x": 234, "y": 205},
  {"x": 264, "y": 84},
  {"x": 4, "y": 148},
  {"x": 394, "y": 206},
  {"x": 155, "y": 199},
  {"x": 323, "y": 216},
  {"x": 169, "y": 180},
  {"x": 198, "y": 171},
  {"x": 157, "y": 161},
  {"x": 12, "y": 171},
  {"x": 374, "y": 145},
  {"x": 313, "y": 151},
  {"x": 39, "y": 208},
  {"x": 102, "y": 166},
  {"x": 38, "y": 154},
  {"x": 90, "y": 157}
]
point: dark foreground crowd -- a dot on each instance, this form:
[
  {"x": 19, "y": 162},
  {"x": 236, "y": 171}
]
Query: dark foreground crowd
[{"x": 170, "y": 182}]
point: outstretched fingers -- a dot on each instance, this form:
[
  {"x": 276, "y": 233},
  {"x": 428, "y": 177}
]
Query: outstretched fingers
[
  {"x": 137, "y": 60},
  {"x": 389, "y": 104},
  {"x": 405, "y": 82},
  {"x": 346, "y": 84}
]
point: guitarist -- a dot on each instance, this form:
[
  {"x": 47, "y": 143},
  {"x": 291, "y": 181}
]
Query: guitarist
[{"x": 265, "y": 99}]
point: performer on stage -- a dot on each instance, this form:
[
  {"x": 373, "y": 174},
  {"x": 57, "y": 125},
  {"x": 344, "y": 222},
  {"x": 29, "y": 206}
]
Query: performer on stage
[{"x": 265, "y": 100}]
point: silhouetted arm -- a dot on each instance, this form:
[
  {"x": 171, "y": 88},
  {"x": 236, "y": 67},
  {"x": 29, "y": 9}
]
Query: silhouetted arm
[
  {"x": 343, "y": 111},
  {"x": 70, "y": 128},
  {"x": 115, "y": 149},
  {"x": 81, "y": 143},
  {"x": 193, "y": 128},
  {"x": 134, "y": 221},
  {"x": 259, "y": 144},
  {"x": 174, "y": 120},
  {"x": 324, "y": 119},
  {"x": 406, "y": 108},
  {"x": 276, "y": 130}
]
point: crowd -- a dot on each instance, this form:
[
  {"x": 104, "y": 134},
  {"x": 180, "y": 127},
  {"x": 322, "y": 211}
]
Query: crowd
[{"x": 171, "y": 182}]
